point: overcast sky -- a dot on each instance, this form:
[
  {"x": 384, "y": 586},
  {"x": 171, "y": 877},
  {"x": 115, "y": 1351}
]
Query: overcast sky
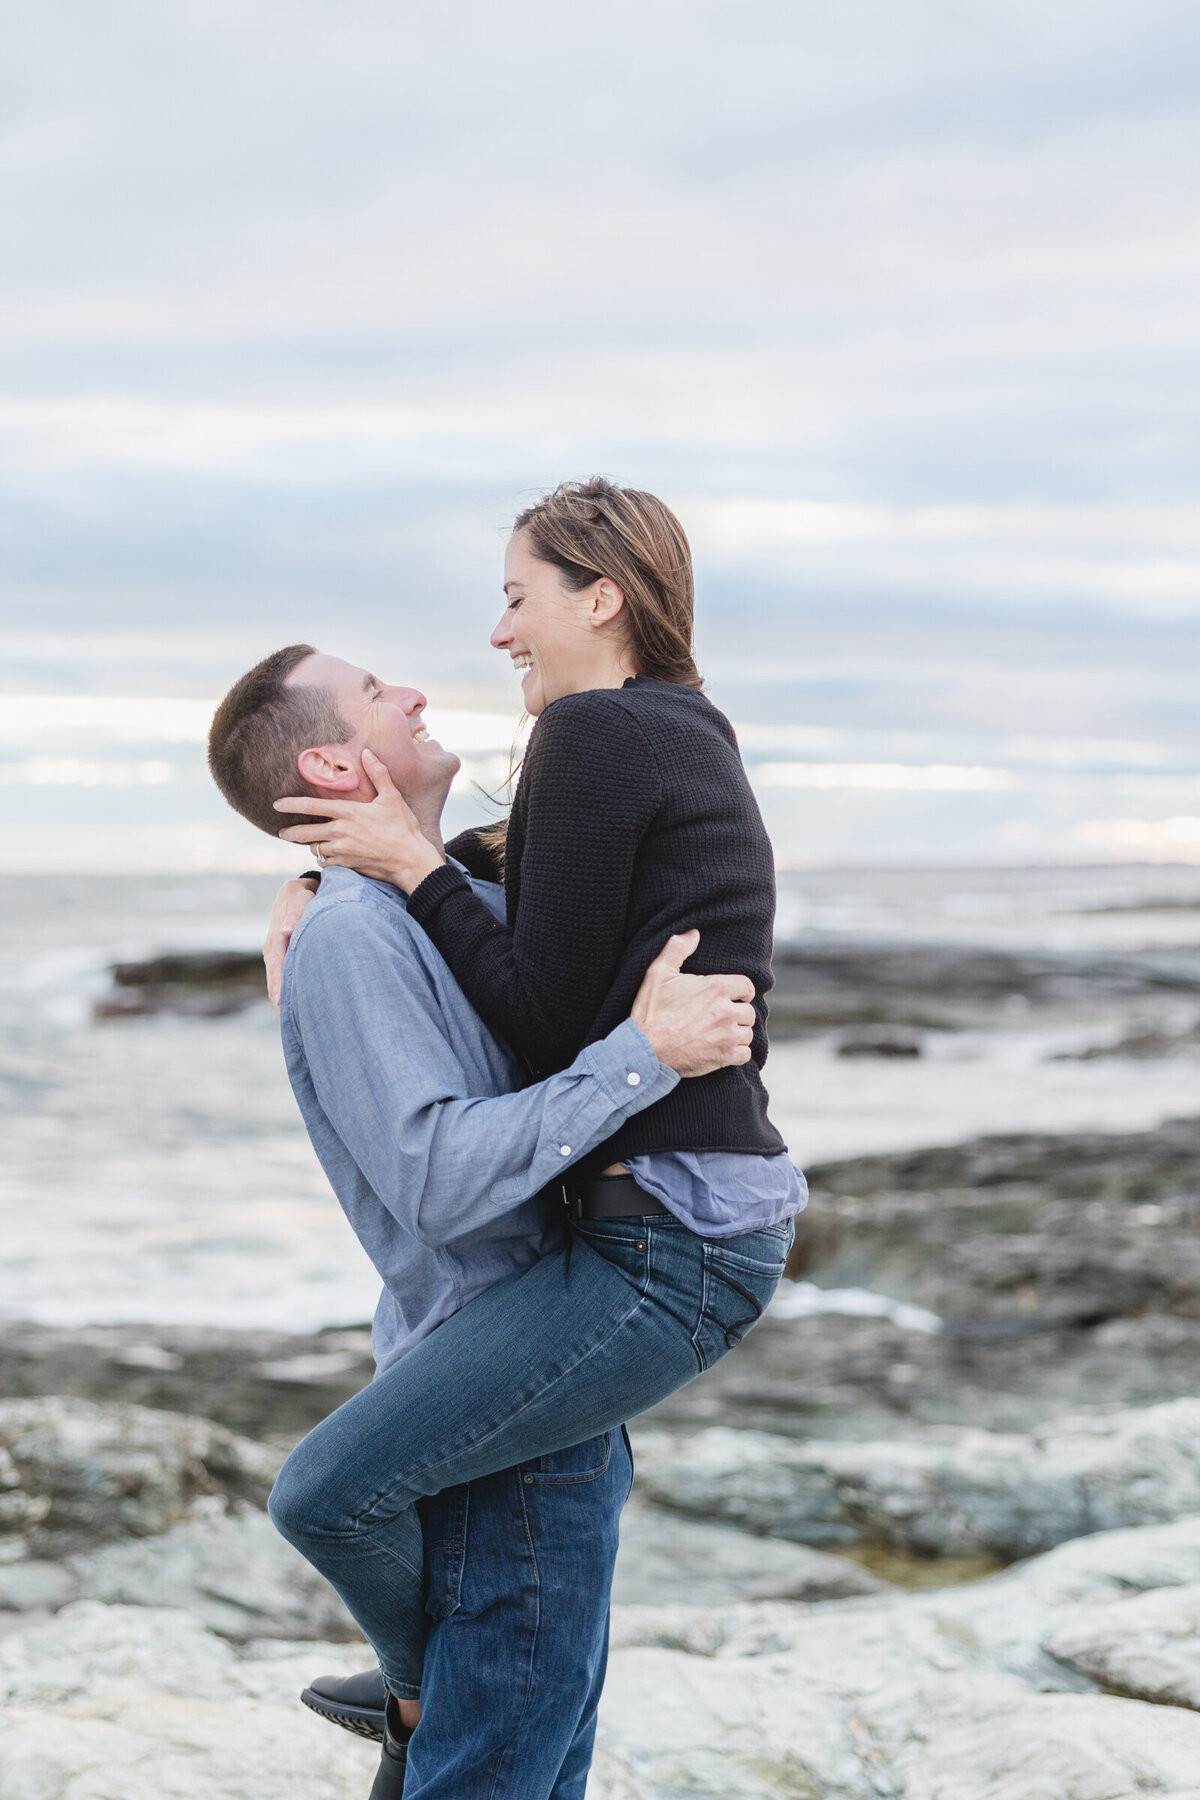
[{"x": 896, "y": 302}]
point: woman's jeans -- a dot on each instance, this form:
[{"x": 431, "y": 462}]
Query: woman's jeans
[{"x": 629, "y": 1312}]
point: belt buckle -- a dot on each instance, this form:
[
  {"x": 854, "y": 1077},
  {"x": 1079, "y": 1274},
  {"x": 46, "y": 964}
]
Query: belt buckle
[{"x": 573, "y": 1203}]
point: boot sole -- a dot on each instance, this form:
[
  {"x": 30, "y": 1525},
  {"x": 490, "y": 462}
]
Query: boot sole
[{"x": 363, "y": 1721}]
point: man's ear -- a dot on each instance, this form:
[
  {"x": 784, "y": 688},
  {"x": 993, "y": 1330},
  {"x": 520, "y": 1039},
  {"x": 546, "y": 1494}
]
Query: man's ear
[
  {"x": 330, "y": 768},
  {"x": 607, "y": 602}
]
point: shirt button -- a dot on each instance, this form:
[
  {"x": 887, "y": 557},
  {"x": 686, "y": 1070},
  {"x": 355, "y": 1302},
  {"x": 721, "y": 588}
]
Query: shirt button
[
  {"x": 633, "y": 1078},
  {"x": 564, "y": 1149}
]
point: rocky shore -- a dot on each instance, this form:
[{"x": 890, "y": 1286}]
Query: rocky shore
[
  {"x": 843, "y": 982},
  {"x": 933, "y": 1530}
]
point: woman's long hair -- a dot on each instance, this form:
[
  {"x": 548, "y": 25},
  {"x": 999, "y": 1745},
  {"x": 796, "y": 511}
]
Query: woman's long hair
[{"x": 592, "y": 530}]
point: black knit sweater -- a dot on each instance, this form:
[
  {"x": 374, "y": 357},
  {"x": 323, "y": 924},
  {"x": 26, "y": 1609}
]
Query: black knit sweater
[{"x": 633, "y": 819}]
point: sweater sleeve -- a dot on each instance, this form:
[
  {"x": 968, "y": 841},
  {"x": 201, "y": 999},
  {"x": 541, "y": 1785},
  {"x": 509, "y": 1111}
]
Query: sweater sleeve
[{"x": 590, "y": 789}]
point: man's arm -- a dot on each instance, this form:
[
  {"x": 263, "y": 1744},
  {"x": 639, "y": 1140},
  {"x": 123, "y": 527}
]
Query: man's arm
[{"x": 385, "y": 1074}]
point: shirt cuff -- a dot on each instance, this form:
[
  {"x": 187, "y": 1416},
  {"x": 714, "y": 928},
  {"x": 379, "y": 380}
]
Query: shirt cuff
[
  {"x": 428, "y": 895},
  {"x": 628, "y": 1070}
]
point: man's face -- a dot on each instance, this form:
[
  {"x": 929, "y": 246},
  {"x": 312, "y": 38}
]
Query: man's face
[{"x": 387, "y": 720}]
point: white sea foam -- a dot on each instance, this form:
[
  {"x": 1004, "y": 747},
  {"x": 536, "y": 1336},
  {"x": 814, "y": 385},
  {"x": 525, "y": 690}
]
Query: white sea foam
[{"x": 804, "y": 1300}]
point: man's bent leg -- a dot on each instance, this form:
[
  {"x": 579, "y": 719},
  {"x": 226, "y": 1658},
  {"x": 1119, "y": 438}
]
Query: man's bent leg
[{"x": 520, "y": 1567}]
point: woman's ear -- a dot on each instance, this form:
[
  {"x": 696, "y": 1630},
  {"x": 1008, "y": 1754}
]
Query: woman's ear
[
  {"x": 329, "y": 767},
  {"x": 607, "y": 601}
]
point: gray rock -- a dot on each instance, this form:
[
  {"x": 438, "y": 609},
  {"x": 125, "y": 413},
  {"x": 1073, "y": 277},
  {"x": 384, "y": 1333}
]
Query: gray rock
[
  {"x": 260, "y": 1383},
  {"x": 880, "y": 1040},
  {"x": 908, "y": 1697},
  {"x": 129, "y": 1703},
  {"x": 1148, "y": 1647},
  {"x": 1017, "y": 1251},
  {"x": 1063, "y": 1268},
  {"x": 1113, "y": 1565},
  {"x": 1148, "y": 1043},
  {"x": 731, "y": 1728},
  {"x": 942, "y": 1494},
  {"x": 857, "y": 1378},
  {"x": 90, "y": 1472},
  {"x": 828, "y": 983},
  {"x": 198, "y": 984},
  {"x": 886, "y": 1697},
  {"x": 979, "y": 1738},
  {"x": 236, "y": 1575},
  {"x": 1130, "y": 1166},
  {"x": 666, "y": 1559},
  {"x": 35, "y": 1586},
  {"x": 770, "y": 1721}
]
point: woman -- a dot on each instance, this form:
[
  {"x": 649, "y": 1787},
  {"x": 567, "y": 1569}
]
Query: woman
[{"x": 633, "y": 820}]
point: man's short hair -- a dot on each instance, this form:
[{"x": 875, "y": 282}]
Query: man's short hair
[{"x": 258, "y": 732}]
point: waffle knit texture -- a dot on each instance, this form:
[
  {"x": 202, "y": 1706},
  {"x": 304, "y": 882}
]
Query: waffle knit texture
[{"x": 633, "y": 819}]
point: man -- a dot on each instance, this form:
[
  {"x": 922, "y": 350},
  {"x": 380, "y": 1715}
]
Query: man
[{"x": 442, "y": 1165}]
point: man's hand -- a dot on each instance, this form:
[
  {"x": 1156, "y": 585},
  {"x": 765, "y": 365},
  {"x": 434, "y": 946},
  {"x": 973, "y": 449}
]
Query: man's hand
[
  {"x": 695, "y": 1023},
  {"x": 290, "y": 902}
]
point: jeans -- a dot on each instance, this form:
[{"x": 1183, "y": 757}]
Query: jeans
[
  {"x": 518, "y": 1568},
  {"x": 627, "y": 1313}
]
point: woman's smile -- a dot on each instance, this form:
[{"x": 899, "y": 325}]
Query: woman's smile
[{"x": 560, "y": 640}]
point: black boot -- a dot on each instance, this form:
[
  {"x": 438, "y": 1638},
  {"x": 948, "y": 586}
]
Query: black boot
[
  {"x": 389, "y": 1777},
  {"x": 355, "y": 1702}
]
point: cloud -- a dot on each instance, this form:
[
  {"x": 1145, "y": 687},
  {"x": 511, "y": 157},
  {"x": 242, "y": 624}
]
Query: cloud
[{"x": 895, "y": 303}]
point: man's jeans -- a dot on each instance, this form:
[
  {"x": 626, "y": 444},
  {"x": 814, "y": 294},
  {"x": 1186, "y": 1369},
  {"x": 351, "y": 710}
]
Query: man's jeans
[
  {"x": 519, "y": 1567},
  {"x": 630, "y": 1311}
]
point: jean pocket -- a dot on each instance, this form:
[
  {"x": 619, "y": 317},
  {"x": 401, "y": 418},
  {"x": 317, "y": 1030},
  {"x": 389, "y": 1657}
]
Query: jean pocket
[
  {"x": 740, "y": 1277},
  {"x": 623, "y": 1242},
  {"x": 444, "y": 1531},
  {"x": 581, "y": 1462}
]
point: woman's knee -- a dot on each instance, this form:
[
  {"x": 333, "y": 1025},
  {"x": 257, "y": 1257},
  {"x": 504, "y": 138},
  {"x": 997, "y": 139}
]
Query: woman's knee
[{"x": 307, "y": 1502}]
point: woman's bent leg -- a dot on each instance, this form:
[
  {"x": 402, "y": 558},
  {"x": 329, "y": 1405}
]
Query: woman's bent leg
[
  {"x": 316, "y": 1504},
  {"x": 629, "y": 1312}
]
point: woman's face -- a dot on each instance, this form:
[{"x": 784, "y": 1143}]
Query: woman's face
[{"x": 557, "y": 639}]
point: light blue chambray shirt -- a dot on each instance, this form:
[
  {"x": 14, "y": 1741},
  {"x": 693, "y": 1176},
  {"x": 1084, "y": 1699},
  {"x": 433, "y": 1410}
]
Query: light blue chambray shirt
[
  {"x": 409, "y": 1102},
  {"x": 721, "y": 1193}
]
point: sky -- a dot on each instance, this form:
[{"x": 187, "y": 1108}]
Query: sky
[{"x": 894, "y": 303}]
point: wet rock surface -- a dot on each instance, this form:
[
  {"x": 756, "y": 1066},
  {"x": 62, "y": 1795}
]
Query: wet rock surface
[
  {"x": 134, "y": 1703},
  {"x": 236, "y": 1574},
  {"x": 665, "y": 1558},
  {"x": 1019, "y": 1375},
  {"x": 944, "y": 986},
  {"x": 1065, "y": 1273},
  {"x": 959, "y": 1693},
  {"x": 196, "y": 984},
  {"x": 1147, "y": 1647},
  {"x": 969, "y": 1692},
  {"x": 261, "y": 1383},
  {"x": 74, "y": 1473},
  {"x": 945, "y": 1493}
]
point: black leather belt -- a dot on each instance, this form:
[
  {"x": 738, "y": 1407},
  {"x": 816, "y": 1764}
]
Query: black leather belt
[{"x": 609, "y": 1197}]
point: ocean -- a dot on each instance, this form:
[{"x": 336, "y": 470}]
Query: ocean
[{"x": 155, "y": 1168}]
